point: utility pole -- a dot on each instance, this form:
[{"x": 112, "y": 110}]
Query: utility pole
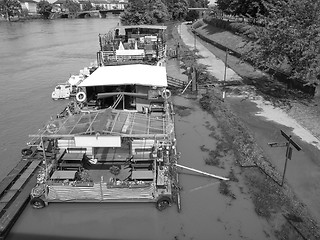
[
  {"x": 225, "y": 66},
  {"x": 225, "y": 74},
  {"x": 288, "y": 150}
]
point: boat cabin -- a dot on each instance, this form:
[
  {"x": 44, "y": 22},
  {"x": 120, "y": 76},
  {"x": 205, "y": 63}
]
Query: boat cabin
[
  {"x": 134, "y": 43},
  {"x": 136, "y": 87}
]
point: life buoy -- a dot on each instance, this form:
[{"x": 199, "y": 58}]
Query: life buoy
[
  {"x": 166, "y": 94},
  {"x": 163, "y": 202},
  {"x": 81, "y": 96},
  {"x": 37, "y": 203},
  {"x": 26, "y": 152},
  {"x": 52, "y": 128},
  {"x": 93, "y": 160}
]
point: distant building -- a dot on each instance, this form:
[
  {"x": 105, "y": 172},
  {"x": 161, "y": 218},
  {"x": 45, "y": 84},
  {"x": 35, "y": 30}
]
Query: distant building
[
  {"x": 58, "y": 6},
  {"x": 29, "y": 5},
  {"x": 96, "y": 4},
  {"x": 109, "y": 4}
]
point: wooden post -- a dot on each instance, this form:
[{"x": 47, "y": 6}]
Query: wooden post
[
  {"x": 195, "y": 38},
  {"x": 194, "y": 79},
  {"x": 285, "y": 163},
  {"x": 45, "y": 166}
]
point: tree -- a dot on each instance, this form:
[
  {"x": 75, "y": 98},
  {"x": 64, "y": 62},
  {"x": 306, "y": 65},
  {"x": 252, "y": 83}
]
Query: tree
[
  {"x": 198, "y": 3},
  {"x": 192, "y": 15},
  {"x": 158, "y": 11},
  {"x": 225, "y": 6},
  {"x": 249, "y": 8},
  {"x": 10, "y": 8},
  {"x": 179, "y": 9},
  {"x": 144, "y": 12},
  {"x": 87, "y": 6},
  {"x": 290, "y": 41},
  {"x": 44, "y": 8},
  {"x": 72, "y": 6}
]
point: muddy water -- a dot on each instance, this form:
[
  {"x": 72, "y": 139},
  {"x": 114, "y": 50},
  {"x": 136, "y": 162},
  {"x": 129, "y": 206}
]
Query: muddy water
[
  {"x": 206, "y": 213},
  {"x": 228, "y": 218}
]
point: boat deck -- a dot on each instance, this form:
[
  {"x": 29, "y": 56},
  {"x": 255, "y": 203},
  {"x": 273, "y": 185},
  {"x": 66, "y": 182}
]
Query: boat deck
[{"x": 107, "y": 121}]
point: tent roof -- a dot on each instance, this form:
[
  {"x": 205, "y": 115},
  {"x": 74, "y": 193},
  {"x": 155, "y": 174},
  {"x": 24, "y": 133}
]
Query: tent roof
[
  {"x": 134, "y": 74},
  {"x": 108, "y": 122},
  {"x": 158, "y": 27}
]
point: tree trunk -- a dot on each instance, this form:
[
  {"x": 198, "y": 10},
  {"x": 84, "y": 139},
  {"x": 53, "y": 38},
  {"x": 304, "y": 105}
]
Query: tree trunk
[
  {"x": 7, "y": 16},
  {"x": 317, "y": 91}
]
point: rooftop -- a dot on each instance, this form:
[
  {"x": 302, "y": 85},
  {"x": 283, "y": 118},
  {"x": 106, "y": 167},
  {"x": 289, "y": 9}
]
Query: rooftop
[{"x": 134, "y": 74}]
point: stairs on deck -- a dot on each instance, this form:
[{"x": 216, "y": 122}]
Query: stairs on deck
[{"x": 176, "y": 83}]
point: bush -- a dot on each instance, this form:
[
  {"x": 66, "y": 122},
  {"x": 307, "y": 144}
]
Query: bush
[
  {"x": 197, "y": 24},
  {"x": 235, "y": 27}
]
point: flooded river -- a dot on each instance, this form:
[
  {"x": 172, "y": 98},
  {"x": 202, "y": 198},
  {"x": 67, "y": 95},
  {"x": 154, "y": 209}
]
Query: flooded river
[{"x": 38, "y": 54}]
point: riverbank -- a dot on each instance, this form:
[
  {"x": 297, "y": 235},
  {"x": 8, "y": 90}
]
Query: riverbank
[
  {"x": 284, "y": 211},
  {"x": 299, "y": 106}
]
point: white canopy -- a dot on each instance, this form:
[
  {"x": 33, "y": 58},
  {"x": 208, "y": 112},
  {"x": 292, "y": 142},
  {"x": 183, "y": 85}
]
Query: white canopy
[
  {"x": 134, "y": 74},
  {"x": 130, "y": 52}
]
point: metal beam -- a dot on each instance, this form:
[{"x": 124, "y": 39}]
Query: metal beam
[
  {"x": 201, "y": 172},
  {"x": 291, "y": 141}
]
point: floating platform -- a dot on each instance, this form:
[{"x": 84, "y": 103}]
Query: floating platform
[{"x": 15, "y": 191}]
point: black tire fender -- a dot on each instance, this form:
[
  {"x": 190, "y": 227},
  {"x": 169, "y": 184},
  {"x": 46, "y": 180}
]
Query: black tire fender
[
  {"x": 26, "y": 152},
  {"x": 37, "y": 203},
  {"x": 163, "y": 202}
]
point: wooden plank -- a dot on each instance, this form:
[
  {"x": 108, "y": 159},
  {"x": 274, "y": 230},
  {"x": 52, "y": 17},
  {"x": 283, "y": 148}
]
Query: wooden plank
[
  {"x": 126, "y": 123},
  {"x": 8, "y": 195},
  {"x": 25, "y": 175},
  {"x": 10, "y": 216},
  {"x": 70, "y": 165},
  {"x": 142, "y": 174},
  {"x": 148, "y": 127},
  {"x": 34, "y": 164},
  {"x": 2, "y": 206},
  {"x": 63, "y": 175},
  {"x": 75, "y": 125},
  {"x": 115, "y": 121},
  {"x": 12, "y": 175},
  {"x": 72, "y": 157},
  {"x": 90, "y": 126},
  {"x": 160, "y": 177},
  {"x": 20, "y": 181},
  {"x": 132, "y": 123}
]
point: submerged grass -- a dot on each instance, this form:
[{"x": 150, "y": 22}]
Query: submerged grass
[{"x": 268, "y": 198}]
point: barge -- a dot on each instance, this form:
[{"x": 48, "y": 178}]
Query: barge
[
  {"x": 114, "y": 145},
  {"x": 116, "y": 141}
]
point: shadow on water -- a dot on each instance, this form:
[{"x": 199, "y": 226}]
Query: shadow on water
[{"x": 46, "y": 237}]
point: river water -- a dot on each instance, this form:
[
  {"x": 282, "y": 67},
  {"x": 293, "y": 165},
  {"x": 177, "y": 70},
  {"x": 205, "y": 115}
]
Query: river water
[{"x": 35, "y": 56}]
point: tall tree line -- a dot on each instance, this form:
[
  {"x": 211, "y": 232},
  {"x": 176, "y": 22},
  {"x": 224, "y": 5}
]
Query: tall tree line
[
  {"x": 158, "y": 11},
  {"x": 289, "y": 39}
]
